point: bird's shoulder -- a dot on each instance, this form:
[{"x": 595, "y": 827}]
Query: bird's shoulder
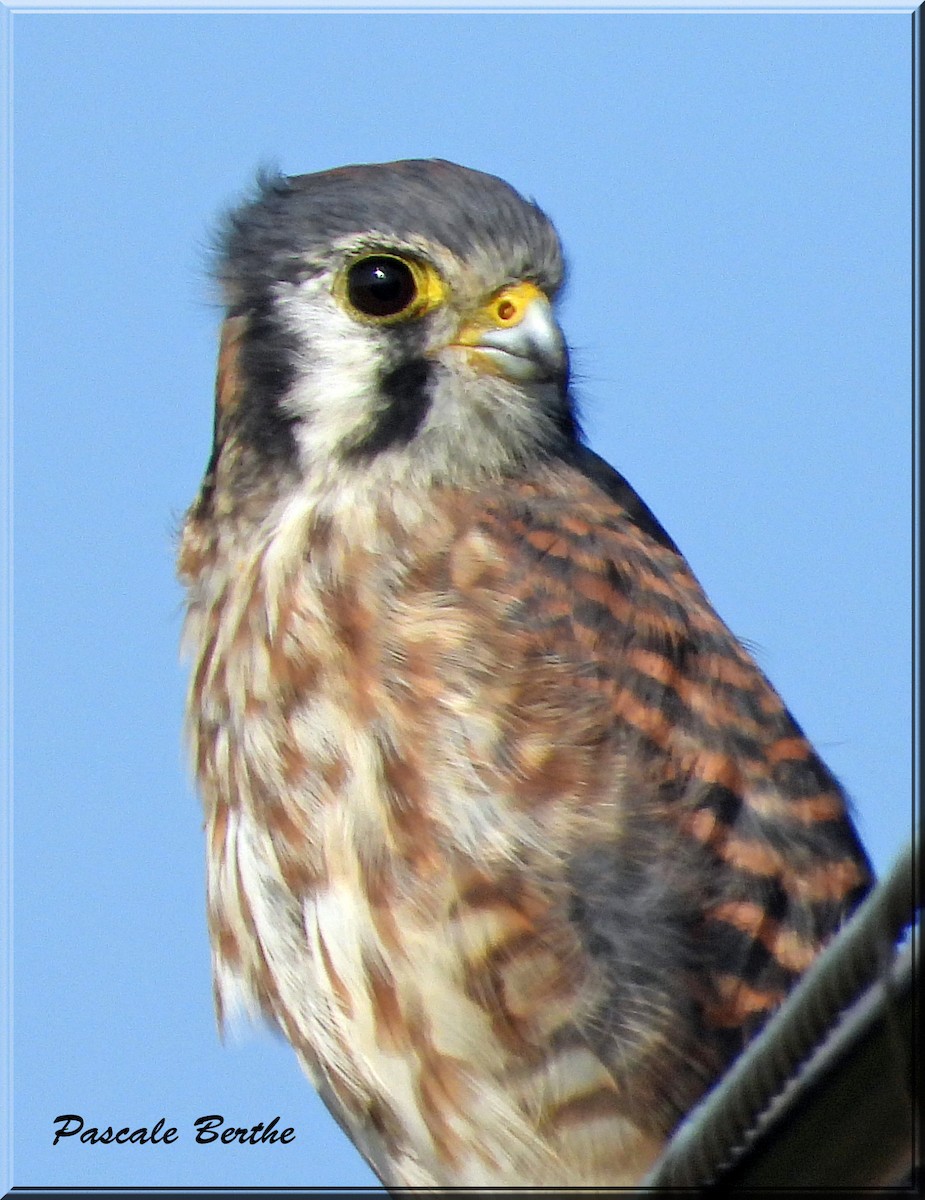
[
  {"x": 574, "y": 547},
  {"x": 712, "y": 769}
]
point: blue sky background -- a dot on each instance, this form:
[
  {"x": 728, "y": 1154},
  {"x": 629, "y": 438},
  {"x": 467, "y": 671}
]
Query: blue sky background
[{"x": 733, "y": 192}]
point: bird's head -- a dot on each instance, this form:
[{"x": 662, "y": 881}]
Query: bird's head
[{"x": 391, "y": 322}]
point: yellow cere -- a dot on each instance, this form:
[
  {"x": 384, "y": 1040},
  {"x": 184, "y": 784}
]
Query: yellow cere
[{"x": 504, "y": 310}]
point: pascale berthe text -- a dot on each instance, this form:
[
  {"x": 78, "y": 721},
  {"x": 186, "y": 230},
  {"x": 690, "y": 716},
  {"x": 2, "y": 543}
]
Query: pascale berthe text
[{"x": 208, "y": 1129}]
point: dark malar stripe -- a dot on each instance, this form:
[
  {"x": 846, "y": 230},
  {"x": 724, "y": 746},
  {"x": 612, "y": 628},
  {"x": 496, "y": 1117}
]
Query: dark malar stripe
[{"x": 405, "y": 392}]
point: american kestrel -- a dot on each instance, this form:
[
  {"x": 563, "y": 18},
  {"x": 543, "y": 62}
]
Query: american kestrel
[{"x": 506, "y": 831}]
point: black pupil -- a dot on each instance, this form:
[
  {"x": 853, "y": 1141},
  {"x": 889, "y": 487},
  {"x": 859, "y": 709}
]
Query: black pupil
[{"x": 380, "y": 287}]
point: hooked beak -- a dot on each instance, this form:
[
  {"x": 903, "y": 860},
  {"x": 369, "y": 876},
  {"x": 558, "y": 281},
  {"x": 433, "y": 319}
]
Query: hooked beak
[{"x": 516, "y": 335}]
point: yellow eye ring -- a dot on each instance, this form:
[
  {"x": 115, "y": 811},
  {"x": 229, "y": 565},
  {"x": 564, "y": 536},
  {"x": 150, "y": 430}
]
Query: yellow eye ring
[{"x": 384, "y": 288}]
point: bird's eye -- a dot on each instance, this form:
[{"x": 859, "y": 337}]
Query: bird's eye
[{"x": 381, "y": 286}]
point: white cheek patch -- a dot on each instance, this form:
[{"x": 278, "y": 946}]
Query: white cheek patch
[{"x": 334, "y": 393}]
